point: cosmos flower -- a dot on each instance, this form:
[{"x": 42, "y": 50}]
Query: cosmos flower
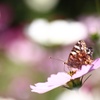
[
  {"x": 92, "y": 23},
  {"x": 70, "y": 79},
  {"x": 76, "y": 95},
  {"x": 26, "y": 50},
  {"x": 57, "y": 32}
]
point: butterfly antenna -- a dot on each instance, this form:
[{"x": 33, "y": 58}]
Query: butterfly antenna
[
  {"x": 61, "y": 61},
  {"x": 57, "y": 59}
]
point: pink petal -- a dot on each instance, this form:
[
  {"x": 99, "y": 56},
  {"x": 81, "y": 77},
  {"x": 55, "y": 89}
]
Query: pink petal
[
  {"x": 85, "y": 69},
  {"x": 96, "y": 64},
  {"x": 53, "y": 81}
]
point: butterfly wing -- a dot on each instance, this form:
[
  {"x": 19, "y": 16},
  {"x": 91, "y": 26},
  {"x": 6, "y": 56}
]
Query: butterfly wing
[{"x": 80, "y": 55}]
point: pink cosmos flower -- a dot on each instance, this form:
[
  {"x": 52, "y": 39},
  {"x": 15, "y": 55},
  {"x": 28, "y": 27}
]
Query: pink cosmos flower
[{"x": 63, "y": 78}]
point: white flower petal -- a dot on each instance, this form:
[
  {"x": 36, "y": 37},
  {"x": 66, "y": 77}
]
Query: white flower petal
[
  {"x": 38, "y": 30},
  {"x": 53, "y": 81},
  {"x": 75, "y": 95}
]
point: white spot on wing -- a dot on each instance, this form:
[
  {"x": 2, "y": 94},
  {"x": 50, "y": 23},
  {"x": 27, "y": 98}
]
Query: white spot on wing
[
  {"x": 77, "y": 47},
  {"x": 78, "y": 42},
  {"x": 73, "y": 53}
]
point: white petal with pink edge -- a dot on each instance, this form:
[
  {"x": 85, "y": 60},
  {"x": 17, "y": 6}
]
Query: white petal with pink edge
[{"x": 53, "y": 81}]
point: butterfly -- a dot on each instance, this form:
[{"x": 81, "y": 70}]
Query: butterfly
[{"x": 80, "y": 55}]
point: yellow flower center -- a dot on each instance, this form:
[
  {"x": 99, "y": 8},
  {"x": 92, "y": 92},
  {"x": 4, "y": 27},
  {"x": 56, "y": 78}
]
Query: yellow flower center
[{"x": 71, "y": 73}]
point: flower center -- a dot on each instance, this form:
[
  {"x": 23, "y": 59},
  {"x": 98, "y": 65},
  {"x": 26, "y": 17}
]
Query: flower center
[{"x": 71, "y": 73}]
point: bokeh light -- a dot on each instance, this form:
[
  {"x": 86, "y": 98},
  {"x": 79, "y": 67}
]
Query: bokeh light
[{"x": 42, "y": 6}]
